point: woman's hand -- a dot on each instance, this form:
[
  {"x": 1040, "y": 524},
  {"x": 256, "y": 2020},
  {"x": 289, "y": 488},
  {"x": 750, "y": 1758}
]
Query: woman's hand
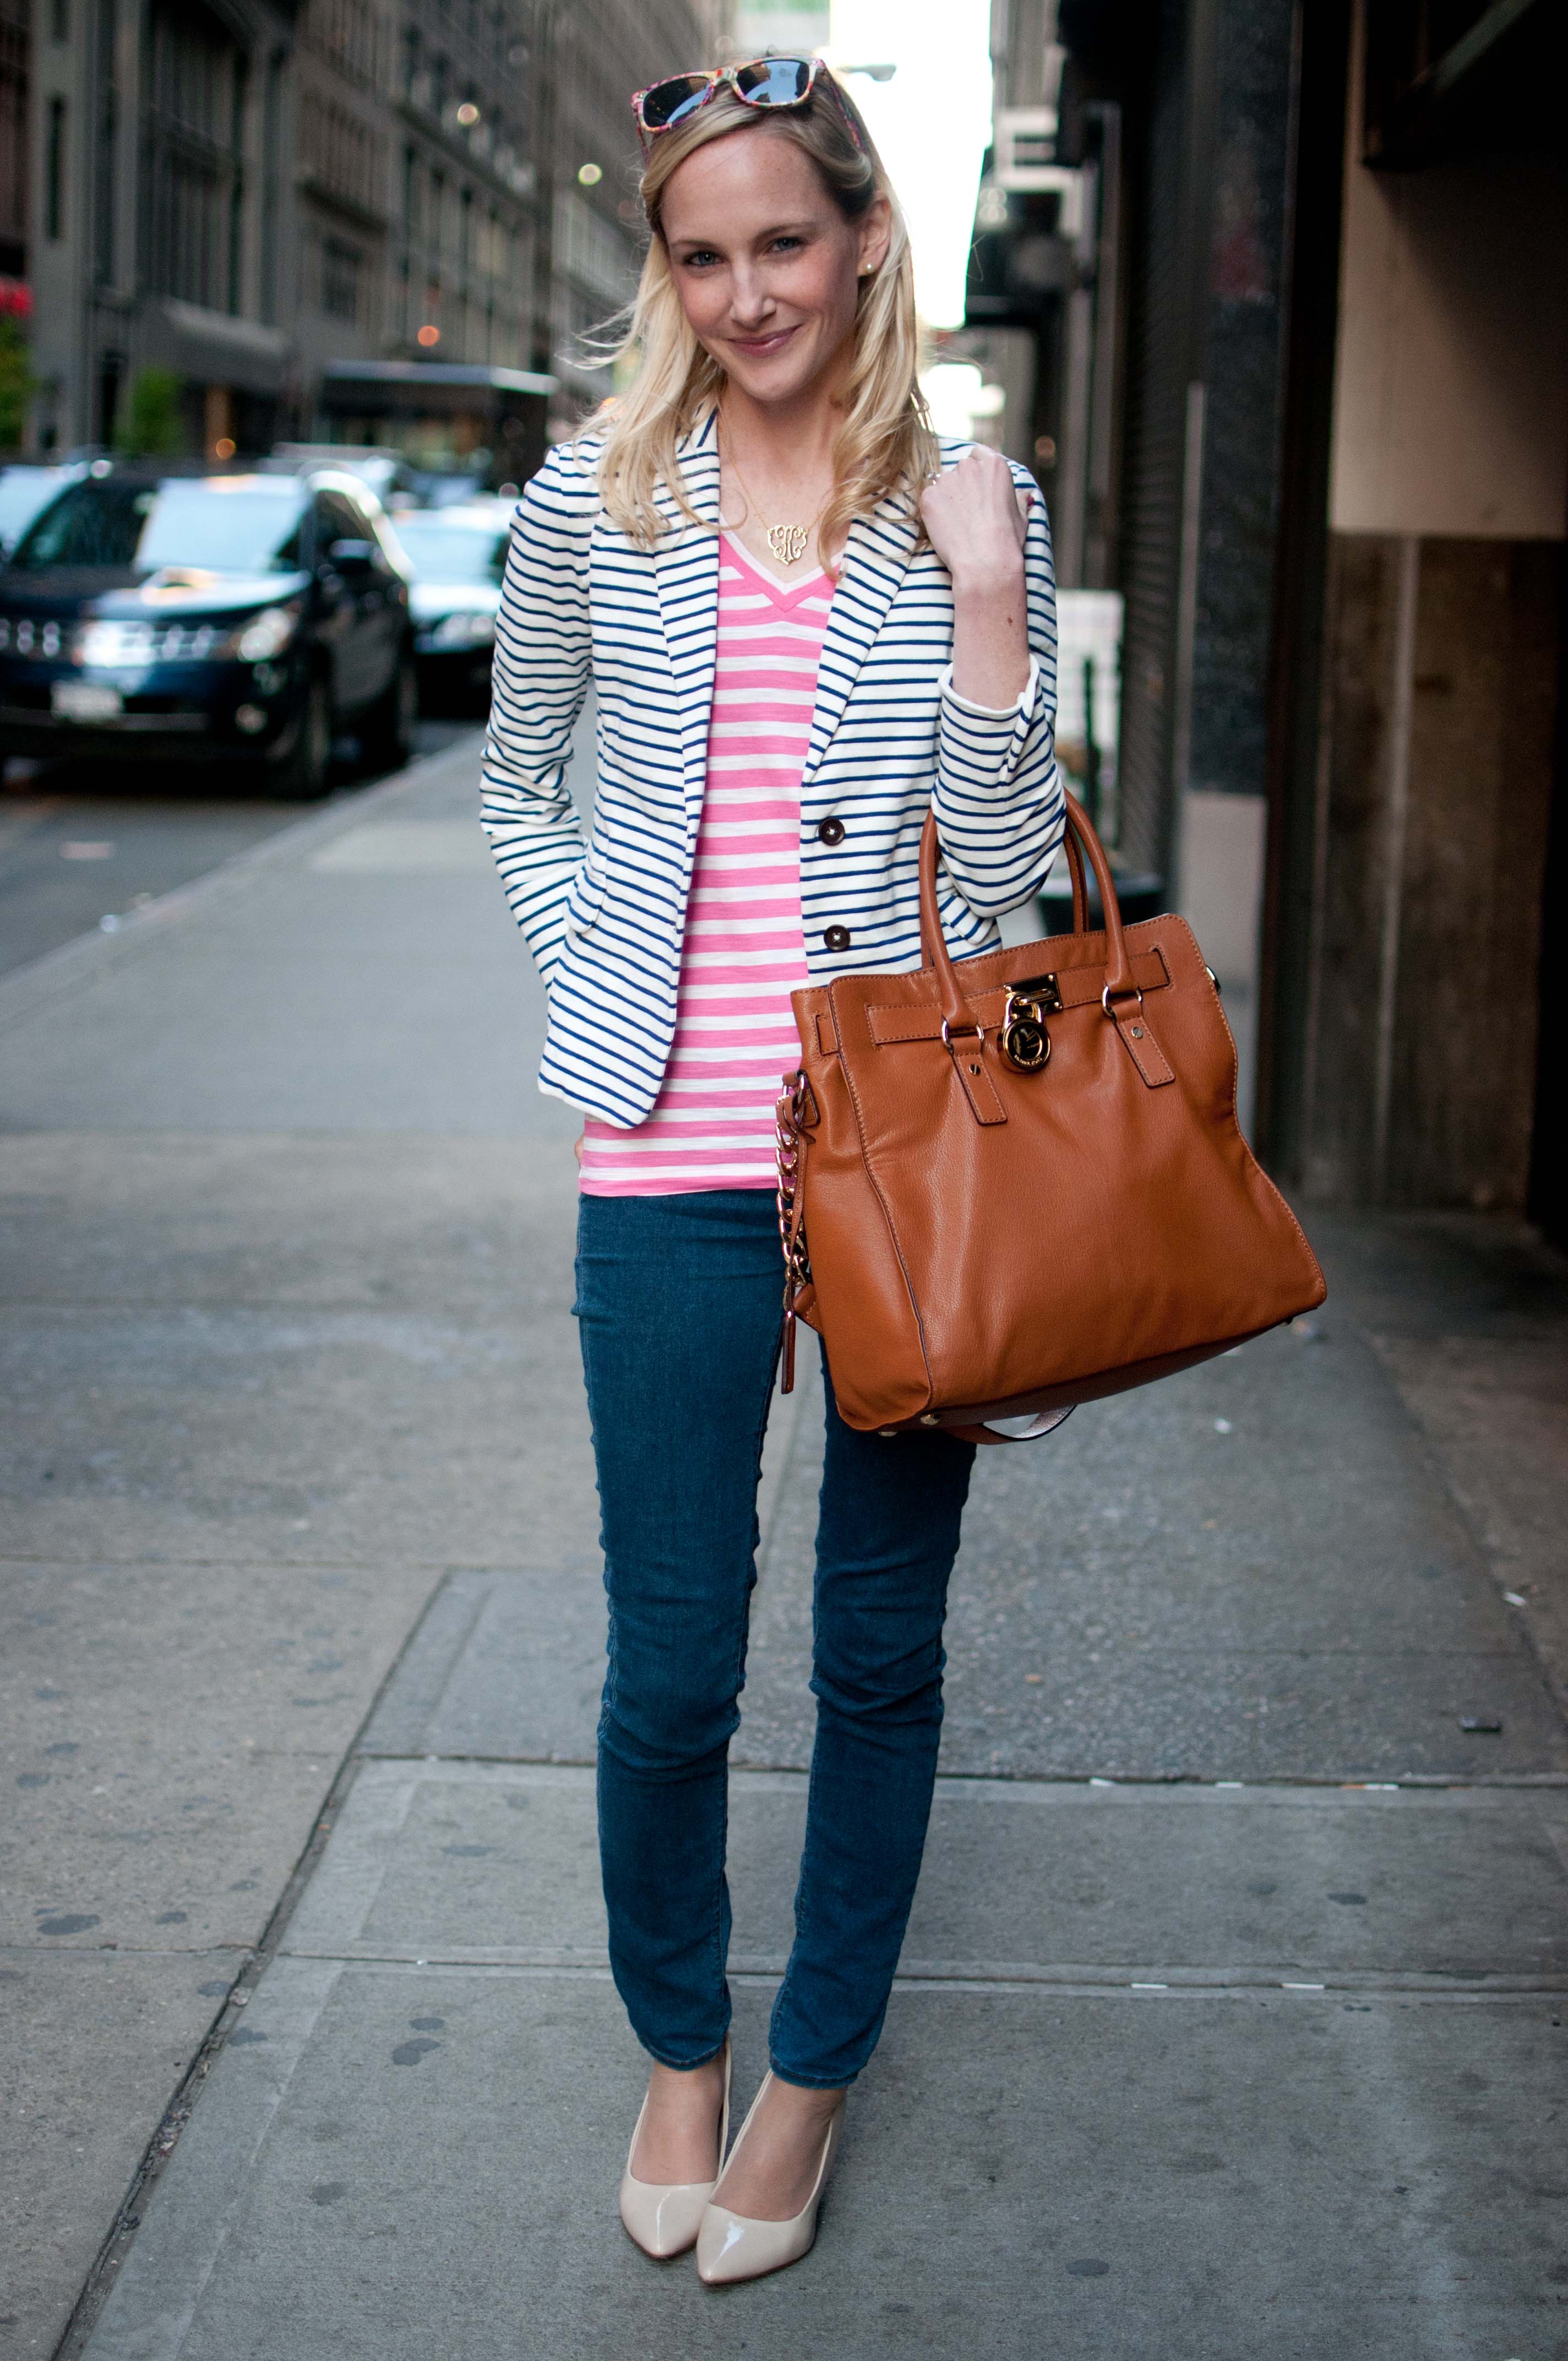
[
  {"x": 977, "y": 520},
  {"x": 577, "y": 1147}
]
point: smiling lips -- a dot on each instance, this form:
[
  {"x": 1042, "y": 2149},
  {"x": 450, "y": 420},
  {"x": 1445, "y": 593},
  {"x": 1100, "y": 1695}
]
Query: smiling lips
[{"x": 760, "y": 345}]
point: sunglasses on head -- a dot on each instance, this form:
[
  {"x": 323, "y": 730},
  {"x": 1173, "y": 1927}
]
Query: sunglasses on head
[{"x": 763, "y": 82}]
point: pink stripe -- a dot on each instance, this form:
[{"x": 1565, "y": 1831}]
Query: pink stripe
[
  {"x": 770, "y": 680},
  {"x": 744, "y": 999},
  {"x": 770, "y": 892},
  {"x": 741, "y": 646},
  {"x": 716, "y": 940},
  {"x": 686, "y": 1063},
  {"x": 693, "y": 1121},
  {"x": 762, "y": 741},
  {"x": 736, "y": 1034}
]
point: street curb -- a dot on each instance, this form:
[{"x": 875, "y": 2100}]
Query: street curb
[{"x": 86, "y": 958}]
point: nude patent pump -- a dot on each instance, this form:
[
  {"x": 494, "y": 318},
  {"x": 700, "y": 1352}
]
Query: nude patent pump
[
  {"x": 663, "y": 2217},
  {"x": 732, "y": 2246}
]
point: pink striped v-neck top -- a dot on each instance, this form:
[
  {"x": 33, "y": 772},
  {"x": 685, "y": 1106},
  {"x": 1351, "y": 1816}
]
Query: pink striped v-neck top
[{"x": 712, "y": 1124}]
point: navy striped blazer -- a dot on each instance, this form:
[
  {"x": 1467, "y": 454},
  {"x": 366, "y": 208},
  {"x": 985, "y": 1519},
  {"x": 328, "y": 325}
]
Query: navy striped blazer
[{"x": 889, "y": 737}]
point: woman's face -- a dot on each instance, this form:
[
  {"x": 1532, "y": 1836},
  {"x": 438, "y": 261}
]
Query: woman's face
[{"x": 765, "y": 264}]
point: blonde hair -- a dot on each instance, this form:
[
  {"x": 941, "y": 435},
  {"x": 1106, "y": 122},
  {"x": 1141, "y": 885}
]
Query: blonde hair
[{"x": 884, "y": 446}]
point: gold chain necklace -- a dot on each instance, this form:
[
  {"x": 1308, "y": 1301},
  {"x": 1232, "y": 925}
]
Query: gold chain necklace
[{"x": 788, "y": 542}]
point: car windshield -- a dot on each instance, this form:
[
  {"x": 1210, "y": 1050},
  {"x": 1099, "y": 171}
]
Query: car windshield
[
  {"x": 23, "y": 492},
  {"x": 233, "y": 526},
  {"x": 441, "y": 549}
]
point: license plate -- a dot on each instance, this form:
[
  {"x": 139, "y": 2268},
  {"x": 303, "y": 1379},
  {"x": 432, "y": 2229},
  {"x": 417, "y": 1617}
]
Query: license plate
[{"x": 85, "y": 700}]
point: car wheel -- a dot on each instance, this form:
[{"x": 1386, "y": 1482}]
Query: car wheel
[
  {"x": 386, "y": 733},
  {"x": 299, "y": 776}
]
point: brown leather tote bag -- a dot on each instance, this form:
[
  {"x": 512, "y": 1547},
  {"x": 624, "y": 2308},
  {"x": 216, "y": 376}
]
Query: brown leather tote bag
[{"x": 1017, "y": 1185}]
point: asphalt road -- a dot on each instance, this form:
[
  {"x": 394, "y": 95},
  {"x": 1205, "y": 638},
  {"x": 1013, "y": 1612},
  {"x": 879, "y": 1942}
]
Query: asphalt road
[{"x": 79, "y": 843}]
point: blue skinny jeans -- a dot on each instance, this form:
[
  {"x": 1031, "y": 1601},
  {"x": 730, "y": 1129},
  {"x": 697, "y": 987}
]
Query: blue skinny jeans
[{"x": 678, "y": 1300}]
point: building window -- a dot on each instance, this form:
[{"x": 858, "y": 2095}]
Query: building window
[
  {"x": 341, "y": 153},
  {"x": 271, "y": 176},
  {"x": 13, "y": 137},
  {"x": 54, "y": 172},
  {"x": 340, "y": 279},
  {"x": 106, "y": 164},
  {"x": 351, "y": 34},
  {"x": 195, "y": 177}
]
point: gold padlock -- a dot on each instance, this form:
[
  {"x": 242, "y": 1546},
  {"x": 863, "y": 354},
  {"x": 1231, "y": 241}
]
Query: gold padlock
[{"x": 1023, "y": 1040}]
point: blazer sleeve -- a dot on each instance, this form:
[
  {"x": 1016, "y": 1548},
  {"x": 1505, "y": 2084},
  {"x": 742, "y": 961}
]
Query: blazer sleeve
[
  {"x": 998, "y": 800},
  {"x": 540, "y": 676}
]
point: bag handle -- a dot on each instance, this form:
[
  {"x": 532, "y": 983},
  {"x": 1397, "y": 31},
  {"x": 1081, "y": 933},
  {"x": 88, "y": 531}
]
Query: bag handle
[
  {"x": 1079, "y": 889},
  {"x": 933, "y": 950}
]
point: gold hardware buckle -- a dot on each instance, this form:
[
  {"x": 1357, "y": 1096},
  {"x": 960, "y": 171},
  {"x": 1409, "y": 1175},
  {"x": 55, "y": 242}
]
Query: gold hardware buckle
[{"x": 1042, "y": 988}]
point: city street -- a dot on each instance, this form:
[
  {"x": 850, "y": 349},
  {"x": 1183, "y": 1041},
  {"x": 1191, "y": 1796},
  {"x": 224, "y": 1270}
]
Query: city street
[
  {"x": 79, "y": 846},
  {"x": 897, "y": 412},
  {"x": 1230, "y": 2020}
]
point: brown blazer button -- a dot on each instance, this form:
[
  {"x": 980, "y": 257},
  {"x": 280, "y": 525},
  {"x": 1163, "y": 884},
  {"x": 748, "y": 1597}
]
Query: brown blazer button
[
  {"x": 831, "y": 831},
  {"x": 837, "y": 939}
]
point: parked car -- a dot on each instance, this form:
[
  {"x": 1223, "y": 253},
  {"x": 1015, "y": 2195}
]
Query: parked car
[
  {"x": 206, "y": 617},
  {"x": 456, "y": 556},
  {"x": 24, "y": 492},
  {"x": 386, "y": 472},
  {"x": 446, "y": 488}
]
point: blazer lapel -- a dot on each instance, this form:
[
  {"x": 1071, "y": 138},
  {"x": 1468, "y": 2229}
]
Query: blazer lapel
[
  {"x": 876, "y": 559},
  {"x": 685, "y": 567}
]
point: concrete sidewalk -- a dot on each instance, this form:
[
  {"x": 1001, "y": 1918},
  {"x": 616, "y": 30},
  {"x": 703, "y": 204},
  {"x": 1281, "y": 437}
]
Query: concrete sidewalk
[{"x": 1230, "y": 2015}]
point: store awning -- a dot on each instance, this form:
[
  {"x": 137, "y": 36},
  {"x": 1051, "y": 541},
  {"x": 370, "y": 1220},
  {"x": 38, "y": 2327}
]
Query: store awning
[{"x": 430, "y": 376}]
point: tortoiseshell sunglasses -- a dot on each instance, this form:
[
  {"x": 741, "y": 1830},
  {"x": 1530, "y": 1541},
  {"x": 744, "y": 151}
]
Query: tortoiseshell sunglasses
[{"x": 762, "y": 82}]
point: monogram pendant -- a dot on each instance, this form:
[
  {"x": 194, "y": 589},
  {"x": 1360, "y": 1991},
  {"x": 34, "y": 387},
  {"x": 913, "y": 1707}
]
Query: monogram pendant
[{"x": 788, "y": 543}]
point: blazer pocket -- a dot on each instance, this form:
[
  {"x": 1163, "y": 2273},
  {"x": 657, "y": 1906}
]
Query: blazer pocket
[{"x": 585, "y": 905}]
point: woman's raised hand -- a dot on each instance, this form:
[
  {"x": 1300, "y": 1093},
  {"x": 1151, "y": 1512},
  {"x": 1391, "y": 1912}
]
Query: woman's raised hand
[{"x": 976, "y": 519}]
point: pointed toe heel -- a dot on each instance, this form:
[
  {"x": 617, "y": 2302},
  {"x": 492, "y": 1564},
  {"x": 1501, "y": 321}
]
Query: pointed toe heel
[
  {"x": 732, "y": 2246},
  {"x": 663, "y": 2217}
]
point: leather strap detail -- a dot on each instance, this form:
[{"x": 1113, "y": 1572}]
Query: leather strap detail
[
  {"x": 924, "y": 1023},
  {"x": 968, "y": 1053},
  {"x": 1144, "y": 1051},
  {"x": 1080, "y": 987},
  {"x": 827, "y": 1039}
]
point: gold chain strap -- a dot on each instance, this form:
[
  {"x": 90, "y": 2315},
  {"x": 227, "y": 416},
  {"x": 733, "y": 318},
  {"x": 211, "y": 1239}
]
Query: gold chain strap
[{"x": 791, "y": 1114}]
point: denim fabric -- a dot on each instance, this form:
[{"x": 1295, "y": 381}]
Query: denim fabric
[{"x": 678, "y": 1298}]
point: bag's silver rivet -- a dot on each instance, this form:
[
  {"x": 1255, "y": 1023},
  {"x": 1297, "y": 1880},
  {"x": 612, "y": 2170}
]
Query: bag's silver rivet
[
  {"x": 1137, "y": 1032},
  {"x": 887, "y": 1431},
  {"x": 930, "y": 1419}
]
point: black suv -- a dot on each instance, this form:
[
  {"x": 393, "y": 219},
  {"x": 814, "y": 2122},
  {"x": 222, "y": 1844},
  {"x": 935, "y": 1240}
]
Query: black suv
[{"x": 208, "y": 617}]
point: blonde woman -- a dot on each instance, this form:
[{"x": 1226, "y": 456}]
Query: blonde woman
[{"x": 805, "y": 623}]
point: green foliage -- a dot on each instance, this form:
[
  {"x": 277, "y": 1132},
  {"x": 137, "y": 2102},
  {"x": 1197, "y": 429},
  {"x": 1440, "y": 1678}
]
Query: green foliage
[
  {"x": 18, "y": 384},
  {"x": 151, "y": 424}
]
